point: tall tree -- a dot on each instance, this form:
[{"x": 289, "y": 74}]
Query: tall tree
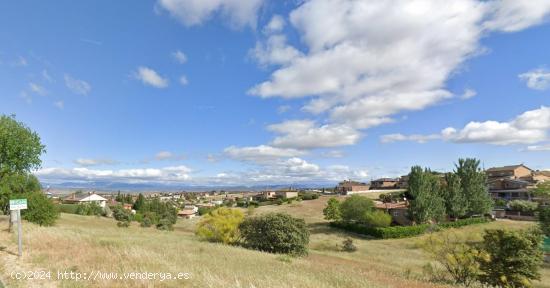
[
  {"x": 20, "y": 150},
  {"x": 456, "y": 203},
  {"x": 140, "y": 201},
  {"x": 473, "y": 182},
  {"x": 426, "y": 201}
]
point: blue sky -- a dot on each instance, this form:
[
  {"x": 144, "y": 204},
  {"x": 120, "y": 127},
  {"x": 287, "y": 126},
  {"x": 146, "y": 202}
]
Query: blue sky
[{"x": 230, "y": 92}]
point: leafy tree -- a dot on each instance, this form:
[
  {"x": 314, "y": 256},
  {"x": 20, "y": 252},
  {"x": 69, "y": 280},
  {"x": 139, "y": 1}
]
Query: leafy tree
[
  {"x": 140, "y": 202},
  {"x": 377, "y": 218},
  {"x": 275, "y": 233},
  {"x": 542, "y": 191},
  {"x": 456, "y": 203},
  {"x": 20, "y": 151},
  {"x": 355, "y": 207},
  {"x": 20, "y": 147},
  {"x": 455, "y": 255},
  {"x": 221, "y": 225},
  {"x": 544, "y": 220},
  {"x": 426, "y": 202},
  {"x": 128, "y": 199},
  {"x": 332, "y": 211},
  {"x": 165, "y": 224},
  {"x": 473, "y": 182},
  {"x": 510, "y": 258},
  {"x": 40, "y": 209}
]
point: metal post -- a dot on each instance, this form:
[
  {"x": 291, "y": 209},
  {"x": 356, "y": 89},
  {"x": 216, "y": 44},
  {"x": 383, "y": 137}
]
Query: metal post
[{"x": 19, "y": 232}]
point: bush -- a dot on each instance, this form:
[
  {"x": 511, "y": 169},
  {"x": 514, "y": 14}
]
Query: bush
[
  {"x": 275, "y": 233},
  {"x": 279, "y": 201},
  {"x": 510, "y": 258},
  {"x": 463, "y": 222},
  {"x": 348, "y": 246},
  {"x": 121, "y": 214},
  {"x": 221, "y": 225},
  {"x": 146, "y": 222},
  {"x": 89, "y": 209},
  {"x": 165, "y": 224},
  {"x": 123, "y": 224},
  {"x": 402, "y": 231},
  {"x": 205, "y": 210},
  {"x": 68, "y": 208},
  {"x": 523, "y": 206},
  {"x": 355, "y": 207},
  {"x": 544, "y": 220},
  {"x": 40, "y": 209},
  {"x": 309, "y": 196},
  {"x": 377, "y": 219},
  {"x": 383, "y": 233}
]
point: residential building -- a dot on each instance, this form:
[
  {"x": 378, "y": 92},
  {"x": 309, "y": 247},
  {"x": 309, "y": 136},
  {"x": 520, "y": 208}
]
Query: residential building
[
  {"x": 514, "y": 182},
  {"x": 398, "y": 211},
  {"x": 82, "y": 198},
  {"x": 348, "y": 187},
  {"x": 384, "y": 183},
  {"x": 286, "y": 194},
  {"x": 187, "y": 213}
]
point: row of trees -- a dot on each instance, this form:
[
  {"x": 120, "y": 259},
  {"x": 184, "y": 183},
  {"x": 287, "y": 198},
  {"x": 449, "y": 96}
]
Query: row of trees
[
  {"x": 461, "y": 193},
  {"x": 20, "y": 151},
  {"x": 271, "y": 232}
]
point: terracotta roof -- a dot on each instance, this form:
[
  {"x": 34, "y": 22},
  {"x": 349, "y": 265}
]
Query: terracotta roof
[{"x": 186, "y": 212}]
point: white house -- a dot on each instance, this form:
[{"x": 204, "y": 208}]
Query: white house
[{"x": 90, "y": 197}]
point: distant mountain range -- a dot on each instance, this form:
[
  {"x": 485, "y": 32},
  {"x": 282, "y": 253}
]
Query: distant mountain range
[{"x": 142, "y": 187}]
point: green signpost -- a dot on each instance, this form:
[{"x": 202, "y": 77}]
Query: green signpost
[{"x": 18, "y": 205}]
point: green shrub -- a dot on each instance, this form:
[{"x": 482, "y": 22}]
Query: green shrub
[
  {"x": 309, "y": 196},
  {"x": 40, "y": 209},
  {"x": 377, "y": 218},
  {"x": 402, "y": 231},
  {"x": 275, "y": 233},
  {"x": 544, "y": 220},
  {"x": 121, "y": 214},
  {"x": 146, "y": 222},
  {"x": 123, "y": 224},
  {"x": 165, "y": 224},
  {"x": 205, "y": 210},
  {"x": 464, "y": 222},
  {"x": 68, "y": 208},
  {"x": 279, "y": 201},
  {"x": 510, "y": 258},
  {"x": 355, "y": 207},
  {"x": 89, "y": 209},
  {"x": 220, "y": 225},
  {"x": 523, "y": 206}
]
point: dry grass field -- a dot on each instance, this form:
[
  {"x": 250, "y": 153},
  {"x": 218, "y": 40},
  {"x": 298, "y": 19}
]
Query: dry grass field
[{"x": 84, "y": 244}]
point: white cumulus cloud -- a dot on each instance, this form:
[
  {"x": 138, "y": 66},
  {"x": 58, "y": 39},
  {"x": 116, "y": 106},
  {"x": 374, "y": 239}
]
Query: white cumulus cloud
[{"x": 150, "y": 77}]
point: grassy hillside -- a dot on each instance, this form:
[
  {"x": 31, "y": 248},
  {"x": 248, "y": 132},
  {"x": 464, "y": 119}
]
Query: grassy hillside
[{"x": 80, "y": 243}]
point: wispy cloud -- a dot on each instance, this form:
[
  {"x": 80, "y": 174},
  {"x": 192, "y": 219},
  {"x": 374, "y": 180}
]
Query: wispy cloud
[
  {"x": 179, "y": 56},
  {"x": 94, "y": 162},
  {"x": 538, "y": 79},
  {"x": 59, "y": 104},
  {"x": 37, "y": 89},
  {"x": 91, "y": 41},
  {"x": 77, "y": 86}
]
